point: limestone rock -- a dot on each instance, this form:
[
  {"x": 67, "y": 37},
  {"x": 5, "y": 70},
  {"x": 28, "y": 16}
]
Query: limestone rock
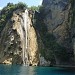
[
  {"x": 58, "y": 19},
  {"x": 13, "y": 40}
]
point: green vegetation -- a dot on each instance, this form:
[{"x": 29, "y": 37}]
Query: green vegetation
[
  {"x": 34, "y": 8},
  {"x": 52, "y": 49},
  {"x": 7, "y": 12},
  {"x": 73, "y": 12},
  {"x": 73, "y": 19},
  {"x": 21, "y": 5}
]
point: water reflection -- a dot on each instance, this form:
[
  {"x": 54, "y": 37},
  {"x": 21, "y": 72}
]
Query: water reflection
[
  {"x": 27, "y": 70},
  {"x": 16, "y": 70},
  {"x": 23, "y": 70},
  {"x": 32, "y": 71},
  {"x": 9, "y": 70}
]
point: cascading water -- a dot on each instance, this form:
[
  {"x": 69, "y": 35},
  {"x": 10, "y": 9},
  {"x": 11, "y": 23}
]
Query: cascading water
[
  {"x": 28, "y": 39},
  {"x": 25, "y": 41}
]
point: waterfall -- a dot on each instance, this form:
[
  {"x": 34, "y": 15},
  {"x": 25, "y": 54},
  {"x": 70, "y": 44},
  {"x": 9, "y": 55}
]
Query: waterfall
[{"x": 25, "y": 41}]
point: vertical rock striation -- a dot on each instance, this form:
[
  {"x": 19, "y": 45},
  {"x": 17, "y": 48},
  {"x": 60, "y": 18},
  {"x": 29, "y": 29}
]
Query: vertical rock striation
[
  {"x": 44, "y": 38},
  {"x": 57, "y": 16},
  {"x": 19, "y": 40}
]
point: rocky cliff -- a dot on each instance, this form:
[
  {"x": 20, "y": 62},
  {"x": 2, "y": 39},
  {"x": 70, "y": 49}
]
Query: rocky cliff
[
  {"x": 44, "y": 38},
  {"x": 19, "y": 40},
  {"x": 57, "y": 17}
]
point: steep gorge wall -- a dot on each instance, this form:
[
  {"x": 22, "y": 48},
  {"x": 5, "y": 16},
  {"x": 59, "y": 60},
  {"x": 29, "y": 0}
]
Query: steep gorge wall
[
  {"x": 13, "y": 40},
  {"x": 44, "y": 38},
  {"x": 57, "y": 31}
]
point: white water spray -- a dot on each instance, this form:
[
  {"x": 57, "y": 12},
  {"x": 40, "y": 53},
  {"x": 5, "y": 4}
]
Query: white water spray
[{"x": 25, "y": 46}]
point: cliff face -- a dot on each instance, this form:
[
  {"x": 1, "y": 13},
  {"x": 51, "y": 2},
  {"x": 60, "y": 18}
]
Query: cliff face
[
  {"x": 19, "y": 41},
  {"x": 57, "y": 20},
  {"x": 40, "y": 38},
  {"x": 57, "y": 17}
]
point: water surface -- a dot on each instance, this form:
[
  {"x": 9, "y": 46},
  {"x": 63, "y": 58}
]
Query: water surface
[{"x": 22, "y": 70}]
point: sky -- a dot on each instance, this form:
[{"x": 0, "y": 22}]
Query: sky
[{"x": 28, "y": 2}]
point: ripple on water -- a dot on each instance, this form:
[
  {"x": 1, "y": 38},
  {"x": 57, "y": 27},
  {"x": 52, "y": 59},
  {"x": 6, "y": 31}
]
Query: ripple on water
[{"x": 23, "y": 70}]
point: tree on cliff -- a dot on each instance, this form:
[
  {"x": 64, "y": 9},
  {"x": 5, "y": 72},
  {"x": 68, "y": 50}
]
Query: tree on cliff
[{"x": 7, "y": 12}]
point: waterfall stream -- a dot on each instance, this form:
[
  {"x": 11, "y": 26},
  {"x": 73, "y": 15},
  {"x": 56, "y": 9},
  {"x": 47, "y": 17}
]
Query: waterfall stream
[{"x": 25, "y": 39}]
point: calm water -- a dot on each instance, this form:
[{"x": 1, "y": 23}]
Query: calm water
[{"x": 22, "y": 70}]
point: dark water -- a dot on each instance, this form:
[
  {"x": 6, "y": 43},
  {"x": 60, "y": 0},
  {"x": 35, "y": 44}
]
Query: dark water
[{"x": 22, "y": 70}]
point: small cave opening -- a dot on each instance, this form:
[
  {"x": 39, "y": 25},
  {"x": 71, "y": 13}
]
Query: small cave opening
[{"x": 30, "y": 64}]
